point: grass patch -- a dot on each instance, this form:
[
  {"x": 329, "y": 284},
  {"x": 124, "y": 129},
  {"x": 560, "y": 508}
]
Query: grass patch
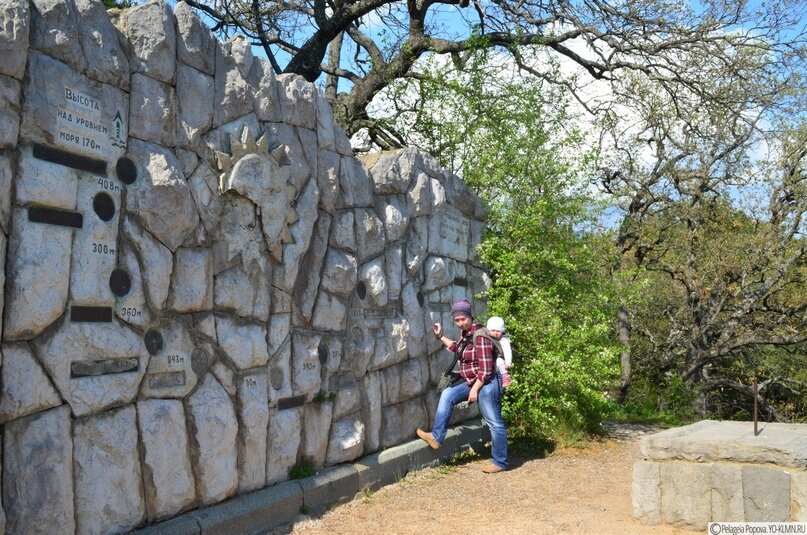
[{"x": 302, "y": 469}]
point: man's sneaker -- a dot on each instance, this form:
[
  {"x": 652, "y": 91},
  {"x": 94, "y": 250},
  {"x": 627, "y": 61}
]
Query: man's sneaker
[
  {"x": 428, "y": 438},
  {"x": 492, "y": 468},
  {"x": 505, "y": 380}
]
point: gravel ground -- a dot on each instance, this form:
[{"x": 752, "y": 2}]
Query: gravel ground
[{"x": 571, "y": 491}]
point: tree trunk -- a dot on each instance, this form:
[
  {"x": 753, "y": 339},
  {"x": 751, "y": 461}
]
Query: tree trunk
[{"x": 624, "y": 359}]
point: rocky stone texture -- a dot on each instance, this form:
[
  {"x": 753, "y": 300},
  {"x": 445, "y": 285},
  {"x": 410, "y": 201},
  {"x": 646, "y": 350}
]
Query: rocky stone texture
[
  {"x": 168, "y": 479},
  {"x": 720, "y": 471},
  {"x": 201, "y": 286},
  {"x": 106, "y": 463},
  {"x": 38, "y": 473}
]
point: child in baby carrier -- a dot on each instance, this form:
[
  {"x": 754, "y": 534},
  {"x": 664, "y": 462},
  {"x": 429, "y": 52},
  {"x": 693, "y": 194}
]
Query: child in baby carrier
[{"x": 495, "y": 327}]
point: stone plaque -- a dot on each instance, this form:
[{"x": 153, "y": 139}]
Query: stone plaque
[
  {"x": 87, "y": 314},
  {"x": 88, "y": 368},
  {"x": 68, "y": 159},
  {"x": 53, "y": 216},
  {"x": 167, "y": 380},
  {"x": 290, "y": 403},
  {"x": 126, "y": 170},
  {"x": 199, "y": 362},
  {"x": 154, "y": 342},
  {"x": 120, "y": 282},
  {"x": 81, "y": 123},
  {"x": 104, "y": 206},
  {"x": 454, "y": 227},
  {"x": 276, "y": 378}
]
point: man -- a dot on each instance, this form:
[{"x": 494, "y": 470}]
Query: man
[{"x": 478, "y": 382}]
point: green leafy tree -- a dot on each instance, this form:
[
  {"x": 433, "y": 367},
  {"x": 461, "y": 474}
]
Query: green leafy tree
[
  {"x": 358, "y": 48},
  {"x": 509, "y": 139}
]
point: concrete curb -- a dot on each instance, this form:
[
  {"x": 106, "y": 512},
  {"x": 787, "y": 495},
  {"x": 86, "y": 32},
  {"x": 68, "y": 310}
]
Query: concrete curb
[{"x": 262, "y": 510}]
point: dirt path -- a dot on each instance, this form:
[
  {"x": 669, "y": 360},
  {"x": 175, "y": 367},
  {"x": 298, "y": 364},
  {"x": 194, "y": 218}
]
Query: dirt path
[{"x": 574, "y": 491}]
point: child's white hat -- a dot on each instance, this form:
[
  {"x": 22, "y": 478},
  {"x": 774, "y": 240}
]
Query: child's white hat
[{"x": 495, "y": 324}]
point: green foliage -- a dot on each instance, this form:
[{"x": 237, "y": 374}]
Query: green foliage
[
  {"x": 304, "y": 468},
  {"x": 120, "y": 4},
  {"x": 508, "y": 137}
]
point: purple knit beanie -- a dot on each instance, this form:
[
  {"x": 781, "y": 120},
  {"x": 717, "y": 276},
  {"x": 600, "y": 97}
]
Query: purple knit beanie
[{"x": 461, "y": 308}]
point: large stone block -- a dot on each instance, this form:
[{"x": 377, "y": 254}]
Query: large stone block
[
  {"x": 232, "y": 94},
  {"x": 328, "y": 180},
  {"x": 153, "y": 40},
  {"x": 399, "y": 422},
  {"x": 168, "y": 480},
  {"x": 161, "y": 198},
  {"x": 346, "y": 442},
  {"x": 316, "y": 430},
  {"x": 192, "y": 280},
  {"x": 157, "y": 263},
  {"x": 196, "y": 46},
  {"x": 646, "y": 492},
  {"x": 5, "y": 192},
  {"x": 766, "y": 494},
  {"x": 67, "y": 110},
  {"x": 727, "y": 493},
  {"x": 298, "y": 100},
  {"x": 94, "y": 255},
  {"x": 153, "y": 111},
  {"x": 214, "y": 430},
  {"x": 25, "y": 387},
  {"x": 305, "y": 364},
  {"x": 38, "y": 473},
  {"x": 133, "y": 307},
  {"x": 37, "y": 276},
  {"x": 55, "y": 31},
  {"x": 15, "y": 26},
  {"x": 246, "y": 295},
  {"x": 283, "y": 443},
  {"x": 176, "y": 365},
  {"x": 95, "y": 366},
  {"x": 310, "y": 271},
  {"x": 780, "y": 443},
  {"x": 106, "y": 463},
  {"x": 286, "y": 273},
  {"x": 325, "y": 123},
  {"x": 243, "y": 342},
  {"x": 106, "y": 60},
  {"x": 195, "y": 93},
  {"x": 686, "y": 493},
  {"x": 9, "y": 111},
  {"x": 798, "y": 496},
  {"x": 253, "y": 419}
]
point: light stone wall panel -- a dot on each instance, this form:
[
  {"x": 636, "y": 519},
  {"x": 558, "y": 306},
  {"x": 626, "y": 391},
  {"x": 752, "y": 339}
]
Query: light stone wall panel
[
  {"x": 253, "y": 420},
  {"x": 9, "y": 111},
  {"x": 15, "y": 27},
  {"x": 106, "y": 463},
  {"x": 55, "y": 31},
  {"x": 151, "y": 32},
  {"x": 26, "y": 389},
  {"x": 37, "y": 276},
  {"x": 283, "y": 443},
  {"x": 214, "y": 429},
  {"x": 38, "y": 473},
  {"x": 167, "y": 476}
]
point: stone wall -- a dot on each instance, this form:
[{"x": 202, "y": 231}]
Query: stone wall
[
  {"x": 715, "y": 471},
  {"x": 201, "y": 286}
]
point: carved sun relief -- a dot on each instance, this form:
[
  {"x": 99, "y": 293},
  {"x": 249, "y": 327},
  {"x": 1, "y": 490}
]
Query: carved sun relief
[{"x": 262, "y": 176}]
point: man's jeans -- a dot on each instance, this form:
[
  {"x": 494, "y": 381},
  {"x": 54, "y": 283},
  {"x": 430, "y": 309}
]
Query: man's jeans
[{"x": 490, "y": 405}]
